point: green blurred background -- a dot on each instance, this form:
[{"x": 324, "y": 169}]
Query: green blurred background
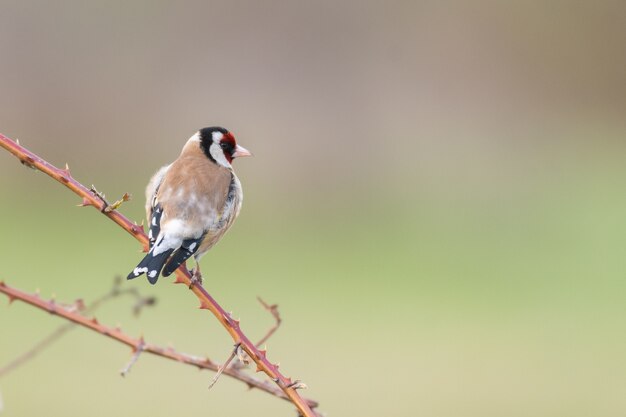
[{"x": 437, "y": 201}]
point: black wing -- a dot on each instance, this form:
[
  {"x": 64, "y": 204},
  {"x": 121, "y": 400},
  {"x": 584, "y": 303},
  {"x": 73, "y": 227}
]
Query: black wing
[{"x": 186, "y": 250}]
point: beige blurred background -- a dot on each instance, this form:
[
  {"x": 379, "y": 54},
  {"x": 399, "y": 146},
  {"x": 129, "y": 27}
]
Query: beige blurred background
[{"x": 436, "y": 201}]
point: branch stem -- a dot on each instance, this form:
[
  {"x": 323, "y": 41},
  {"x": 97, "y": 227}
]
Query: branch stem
[
  {"x": 183, "y": 276},
  {"x": 73, "y": 316}
]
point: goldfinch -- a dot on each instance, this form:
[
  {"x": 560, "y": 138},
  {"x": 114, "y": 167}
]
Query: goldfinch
[{"x": 191, "y": 203}]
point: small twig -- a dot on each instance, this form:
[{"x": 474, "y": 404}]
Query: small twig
[
  {"x": 273, "y": 309},
  {"x": 225, "y": 365},
  {"x": 137, "y": 351},
  {"x": 117, "y": 204},
  {"x": 141, "y": 303},
  {"x": 106, "y": 208},
  {"x": 101, "y": 197}
]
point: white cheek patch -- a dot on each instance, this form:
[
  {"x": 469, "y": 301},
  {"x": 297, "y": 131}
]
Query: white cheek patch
[{"x": 218, "y": 154}]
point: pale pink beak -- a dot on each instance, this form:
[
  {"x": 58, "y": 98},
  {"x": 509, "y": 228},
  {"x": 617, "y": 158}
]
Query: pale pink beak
[{"x": 241, "y": 151}]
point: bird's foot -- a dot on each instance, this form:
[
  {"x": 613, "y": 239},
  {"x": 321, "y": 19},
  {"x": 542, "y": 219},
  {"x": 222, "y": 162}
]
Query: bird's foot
[{"x": 196, "y": 278}]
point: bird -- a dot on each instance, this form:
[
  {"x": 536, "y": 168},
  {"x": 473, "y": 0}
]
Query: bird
[{"x": 191, "y": 203}]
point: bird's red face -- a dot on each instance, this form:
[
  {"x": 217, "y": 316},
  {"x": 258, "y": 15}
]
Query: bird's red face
[{"x": 231, "y": 149}]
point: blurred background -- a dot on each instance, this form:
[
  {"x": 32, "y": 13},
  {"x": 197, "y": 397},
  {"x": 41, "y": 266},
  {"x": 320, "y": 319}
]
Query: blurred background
[{"x": 437, "y": 201}]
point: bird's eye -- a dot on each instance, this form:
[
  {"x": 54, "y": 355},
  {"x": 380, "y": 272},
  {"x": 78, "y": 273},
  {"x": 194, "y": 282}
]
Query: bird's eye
[{"x": 227, "y": 147}]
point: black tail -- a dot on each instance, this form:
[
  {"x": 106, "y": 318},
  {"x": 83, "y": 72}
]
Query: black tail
[
  {"x": 151, "y": 266},
  {"x": 188, "y": 248}
]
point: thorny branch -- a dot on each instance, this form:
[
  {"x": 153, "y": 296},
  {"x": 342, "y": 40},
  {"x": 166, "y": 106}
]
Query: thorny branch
[
  {"x": 63, "y": 176},
  {"x": 72, "y": 313},
  {"x": 114, "y": 292}
]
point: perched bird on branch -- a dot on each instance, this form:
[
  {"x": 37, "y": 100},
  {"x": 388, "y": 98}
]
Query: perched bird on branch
[{"x": 191, "y": 203}]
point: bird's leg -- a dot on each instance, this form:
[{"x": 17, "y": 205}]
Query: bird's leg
[{"x": 196, "y": 276}]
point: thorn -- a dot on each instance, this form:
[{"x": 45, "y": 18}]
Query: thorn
[
  {"x": 136, "y": 229},
  {"x": 263, "y": 353},
  {"x": 52, "y": 307},
  {"x": 11, "y": 299},
  {"x": 258, "y": 368},
  {"x": 28, "y": 161},
  {"x": 2, "y": 284},
  {"x": 17, "y": 141},
  {"x": 94, "y": 321},
  {"x": 80, "y": 304},
  {"x": 204, "y": 305},
  {"x": 66, "y": 173},
  {"x": 297, "y": 384},
  {"x": 85, "y": 203}
]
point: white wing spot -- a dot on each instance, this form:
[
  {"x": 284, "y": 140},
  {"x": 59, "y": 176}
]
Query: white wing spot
[
  {"x": 192, "y": 246},
  {"x": 138, "y": 271},
  {"x": 152, "y": 273}
]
